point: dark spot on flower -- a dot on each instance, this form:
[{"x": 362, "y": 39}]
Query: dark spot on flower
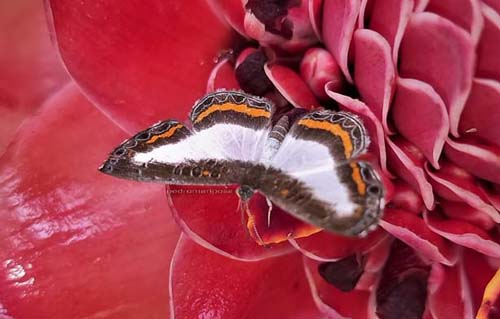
[
  {"x": 272, "y": 13},
  {"x": 251, "y": 76},
  {"x": 402, "y": 291},
  {"x": 343, "y": 274},
  {"x": 405, "y": 300}
]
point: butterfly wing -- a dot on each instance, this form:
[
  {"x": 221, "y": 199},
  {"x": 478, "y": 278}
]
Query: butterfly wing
[
  {"x": 229, "y": 129},
  {"x": 327, "y": 186}
]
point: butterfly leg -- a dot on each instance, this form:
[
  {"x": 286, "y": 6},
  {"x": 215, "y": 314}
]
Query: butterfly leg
[{"x": 269, "y": 211}]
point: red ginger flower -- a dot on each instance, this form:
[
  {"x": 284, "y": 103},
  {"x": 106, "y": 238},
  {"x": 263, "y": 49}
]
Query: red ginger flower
[{"x": 423, "y": 75}]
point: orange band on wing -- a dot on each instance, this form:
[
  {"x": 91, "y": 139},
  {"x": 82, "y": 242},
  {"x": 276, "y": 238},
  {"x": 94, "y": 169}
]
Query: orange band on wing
[
  {"x": 356, "y": 176},
  {"x": 241, "y": 108},
  {"x": 335, "y": 129},
  {"x": 167, "y": 133}
]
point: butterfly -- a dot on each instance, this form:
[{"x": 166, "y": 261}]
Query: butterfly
[{"x": 307, "y": 163}]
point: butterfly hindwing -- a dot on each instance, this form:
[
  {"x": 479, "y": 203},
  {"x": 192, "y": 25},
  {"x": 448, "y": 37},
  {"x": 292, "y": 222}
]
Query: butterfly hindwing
[{"x": 319, "y": 154}]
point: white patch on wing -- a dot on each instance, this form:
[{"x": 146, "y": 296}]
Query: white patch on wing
[
  {"x": 221, "y": 141},
  {"x": 311, "y": 163}
]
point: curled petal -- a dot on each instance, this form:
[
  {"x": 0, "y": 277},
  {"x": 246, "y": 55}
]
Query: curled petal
[
  {"x": 232, "y": 11},
  {"x": 326, "y": 246},
  {"x": 463, "y": 233},
  {"x": 210, "y": 216},
  {"x": 478, "y": 159},
  {"x": 291, "y": 86},
  {"x": 448, "y": 286},
  {"x": 491, "y": 294},
  {"x": 374, "y": 72},
  {"x": 222, "y": 77},
  {"x": 68, "y": 230},
  {"x": 315, "y": 14},
  {"x": 415, "y": 99},
  {"x": 464, "y": 13},
  {"x": 132, "y": 42},
  {"x": 389, "y": 18},
  {"x": 405, "y": 198},
  {"x": 480, "y": 116},
  {"x": 494, "y": 4},
  {"x": 488, "y": 48},
  {"x": 339, "y": 21},
  {"x": 438, "y": 52},
  {"x": 455, "y": 184},
  {"x": 462, "y": 211},
  {"x": 375, "y": 261},
  {"x": 333, "y": 302},
  {"x": 413, "y": 231},
  {"x": 373, "y": 125},
  {"x": 317, "y": 68},
  {"x": 203, "y": 284},
  {"x": 280, "y": 24},
  {"x": 406, "y": 162}
]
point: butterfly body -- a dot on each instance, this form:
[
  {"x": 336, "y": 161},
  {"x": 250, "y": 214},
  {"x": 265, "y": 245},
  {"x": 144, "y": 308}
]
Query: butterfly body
[{"x": 306, "y": 162}]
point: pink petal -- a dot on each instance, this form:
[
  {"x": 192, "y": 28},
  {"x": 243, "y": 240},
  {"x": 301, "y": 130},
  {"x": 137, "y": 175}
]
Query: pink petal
[
  {"x": 420, "y": 116},
  {"x": 438, "y": 52},
  {"x": 374, "y": 72},
  {"x": 232, "y": 11},
  {"x": 463, "y": 233},
  {"x": 210, "y": 216},
  {"x": 139, "y": 63},
  {"x": 291, "y": 86},
  {"x": 389, "y": 18},
  {"x": 222, "y": 77},
  {"x": 488, "y": 48},
  {"x": 464, "y": 13},
  {"x": 494, "y": 4},
  {"x": 478, "y": 159},
  {"x": 405, "y": 198},
  {"x": 462, "y": 211},
  {"x": 92, "y": 245},
  {"x": 406, "y": 162},
  {"x": 334, "y": 303},
  {"x": 317, "y": 68},
  {"x": 315, "y": 14},
  {"x": 413, "y": 231},
  {"x": 480, "y": 116},
  {"x": 29, "y": 66},
  {"x": 364, "y": 13},
  {"x": 376, "y": 258},
  {"x": 449, "y": 293},
  {"x": 207, "y": 285},
  {"x": 373, "y": 125},
  {"x": 455, "y": 184},
  {"x": 420, "y": 5},
  {"x": 339, "y": 21},
  {"x": 325, "y": 246}
]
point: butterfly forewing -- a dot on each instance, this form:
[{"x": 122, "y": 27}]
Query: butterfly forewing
[{"x": 227, "y": 127}]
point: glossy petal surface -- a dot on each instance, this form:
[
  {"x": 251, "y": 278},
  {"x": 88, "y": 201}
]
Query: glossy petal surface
[
  {"x": 210, "y": 216},
  {"x": 208, "y": 285},
  {"x": 124, "y": 55},
  {"x": 94, "y": 245},
  {"x": 488, "y": 48}
]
